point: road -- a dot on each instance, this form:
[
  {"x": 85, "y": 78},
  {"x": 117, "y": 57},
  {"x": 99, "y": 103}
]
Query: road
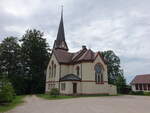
[{"x": 110, "y": 104}]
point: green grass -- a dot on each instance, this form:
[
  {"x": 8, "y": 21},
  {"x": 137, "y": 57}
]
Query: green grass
[
  {"x": 18, "y": 100},
  {"x": 47, "y": 96}
]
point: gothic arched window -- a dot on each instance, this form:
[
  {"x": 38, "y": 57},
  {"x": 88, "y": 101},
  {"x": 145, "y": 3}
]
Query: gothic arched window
[
  {"x": 78, "y": 70},
  {"x": 54, "y": 70},
  {"x": 49, "y": 71},
  {"x": 98, "y": 73}
]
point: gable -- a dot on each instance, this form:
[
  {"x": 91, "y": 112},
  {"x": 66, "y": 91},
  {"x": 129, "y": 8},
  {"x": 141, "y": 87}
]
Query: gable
[
  {"x": 99, "y": 59},
  {"x": 52, "y": 58}
]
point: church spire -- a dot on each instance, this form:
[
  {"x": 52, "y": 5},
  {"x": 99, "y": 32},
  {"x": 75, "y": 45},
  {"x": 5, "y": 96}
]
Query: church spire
[{"x": 60, "y": 42}]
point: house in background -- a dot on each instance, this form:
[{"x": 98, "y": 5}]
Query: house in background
[
  {"x": 141, "y": 83},
  {"x": 81, "y": 72}
]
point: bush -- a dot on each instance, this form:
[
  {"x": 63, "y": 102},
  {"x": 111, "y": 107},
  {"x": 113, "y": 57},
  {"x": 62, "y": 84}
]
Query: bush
[
  {"x": 7, "y": 93},
  {"x": 147, "y": 93},
  {"x": 54, "y": 92},
  {"x": 136, "y": 93}
]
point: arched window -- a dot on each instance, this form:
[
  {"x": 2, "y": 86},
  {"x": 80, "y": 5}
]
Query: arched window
[
  {"x": 78, "y": 70},
  {"x": 49, "y": 71},
  {"x": 54, "y": 70},
  {"x": 98, "y": 73}
]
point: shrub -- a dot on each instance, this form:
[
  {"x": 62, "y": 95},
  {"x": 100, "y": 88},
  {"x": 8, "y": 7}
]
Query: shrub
[
  {"x": 54, "y": 92},
  {"x": 136, "y": 93},
  {"x": 7, "y": 93},
  {"x": 147, "y": 93}
]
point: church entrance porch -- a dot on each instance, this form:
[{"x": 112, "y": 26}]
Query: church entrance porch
[
  {"x": 70, "y": 84},
  {"x": 70, "y": 87}
]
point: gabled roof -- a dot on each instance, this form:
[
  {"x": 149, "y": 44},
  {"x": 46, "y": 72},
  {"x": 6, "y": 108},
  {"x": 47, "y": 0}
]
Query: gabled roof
[
  {"x": 86, "y": 55},
  {"x": 141, "y": 79},
  {"x": 70, "y": 77},
  {"x": 62, "y": 56}
]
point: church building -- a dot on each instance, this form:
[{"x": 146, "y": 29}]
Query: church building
[{"x": 82, "y": 72}]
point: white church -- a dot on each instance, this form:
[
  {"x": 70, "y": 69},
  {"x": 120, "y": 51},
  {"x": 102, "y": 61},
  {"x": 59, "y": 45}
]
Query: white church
[{"x": 76, "y": 73}]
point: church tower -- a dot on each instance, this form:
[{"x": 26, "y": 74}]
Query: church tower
[{"x": 60, "y": 42}]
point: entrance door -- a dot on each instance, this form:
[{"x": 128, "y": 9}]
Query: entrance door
[{"x": 74, "y": 88}]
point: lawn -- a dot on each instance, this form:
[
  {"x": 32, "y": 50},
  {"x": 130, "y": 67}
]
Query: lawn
[
  {"x": 47, "y": 96},
  {"x": 18, "y": 100}
]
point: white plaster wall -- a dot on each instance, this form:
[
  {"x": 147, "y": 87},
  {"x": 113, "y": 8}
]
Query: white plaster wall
[
  {"x": 70, "y": 69},
  {"x": 89, "y": 88},
  {"x": 69, "y": 87},
  {"x": 49, "y": 89},
  {"x": 133, "y": 87},
  {"x": 52, "y": 78},
  {"x": 93, "y": 88},
  {"x": 112, "y": 89},
  {"x": 64, "y": 70},
  {"x": 88, "y": 72},
  {"x": 74, "y": 71}
]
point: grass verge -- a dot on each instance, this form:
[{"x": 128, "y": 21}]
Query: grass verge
[
  {"x": 47, "y": 96},
  {"x": 18, "y": 100}
]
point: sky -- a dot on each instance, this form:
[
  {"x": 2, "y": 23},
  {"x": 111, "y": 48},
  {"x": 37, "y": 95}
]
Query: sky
[{"x": 119, "y": 25}]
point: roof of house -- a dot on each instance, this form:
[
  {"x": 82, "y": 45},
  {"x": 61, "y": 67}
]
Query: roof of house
[
  {"x": 65, "y": 57},
  {"x": 62, "y": 56},
  {"x": 70, "y": 77},
  {"x": 141, "y": 79}
]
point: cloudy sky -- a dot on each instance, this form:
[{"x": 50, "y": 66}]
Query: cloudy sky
[{"x": 120, "y": 25}]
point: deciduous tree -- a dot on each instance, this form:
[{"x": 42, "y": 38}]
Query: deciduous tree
[
  {"x": 115, "y": 73},
  {"x": 35, "y": 58}
]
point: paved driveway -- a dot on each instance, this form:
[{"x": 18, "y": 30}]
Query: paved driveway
[{"x": 112, "y": 104}]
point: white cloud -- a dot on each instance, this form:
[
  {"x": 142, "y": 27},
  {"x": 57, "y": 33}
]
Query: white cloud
[{"x": 17, "y": 29}]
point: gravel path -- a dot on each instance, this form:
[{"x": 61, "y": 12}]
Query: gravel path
[{"x": 112, "y": 104}]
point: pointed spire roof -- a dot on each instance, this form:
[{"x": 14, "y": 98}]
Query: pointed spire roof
[
  {"x": 60, "y": 42},
  {"x": 61, "y": 33}
]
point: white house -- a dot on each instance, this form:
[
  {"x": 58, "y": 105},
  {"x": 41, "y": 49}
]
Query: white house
[{"x": 141, "y": 83}]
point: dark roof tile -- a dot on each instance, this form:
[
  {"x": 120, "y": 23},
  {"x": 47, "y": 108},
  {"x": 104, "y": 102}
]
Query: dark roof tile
[
  {"x": 66, "y": 57},
  {"x": 70, "y": 77},
  {"x": 63, "y": 56},
  {"x": 141, "y": 79}
]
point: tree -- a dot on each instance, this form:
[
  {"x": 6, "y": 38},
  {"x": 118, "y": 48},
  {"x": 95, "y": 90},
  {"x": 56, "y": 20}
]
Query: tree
[
  {"x": 10, "y": 62},
  {"x": 9, "y": 56},
  {"x": 113, "y": 65},
  {"x": 35, "y": 58},
  {"x": 6, "y": 91},
  {"x": 115, "y": 73},
  {"x": 121, "y": 84}
]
